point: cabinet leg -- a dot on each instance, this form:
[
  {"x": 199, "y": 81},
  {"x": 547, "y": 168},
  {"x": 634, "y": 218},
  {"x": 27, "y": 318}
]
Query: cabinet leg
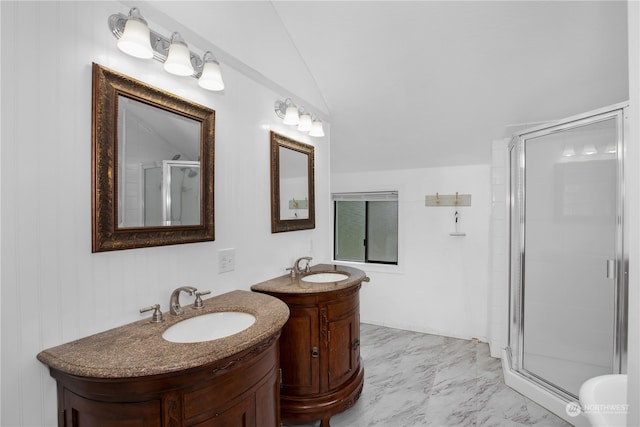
[{"x": 325, "y": 422}]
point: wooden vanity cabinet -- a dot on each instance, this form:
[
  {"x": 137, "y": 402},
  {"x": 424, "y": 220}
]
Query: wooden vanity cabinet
[
  {"x": 322, "y": 372},
  {"x": 241, "y": 391}
]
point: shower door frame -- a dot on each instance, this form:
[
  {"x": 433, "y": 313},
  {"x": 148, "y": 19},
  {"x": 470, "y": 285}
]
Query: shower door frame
[{"x": 517, "y": 254}]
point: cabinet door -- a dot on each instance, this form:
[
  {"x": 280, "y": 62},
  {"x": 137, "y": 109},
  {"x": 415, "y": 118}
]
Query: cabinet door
[
  {"x": 81, "y": 412},
  {"x": 299, "y": 352},
  {"x": 344, "y": 349},
  {"x": 268, "y": 402}
]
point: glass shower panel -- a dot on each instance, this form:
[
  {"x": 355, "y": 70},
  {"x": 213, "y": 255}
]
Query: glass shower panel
[
  {"x": 152, "y": 196},
  {"x": 570, "y": 234}
]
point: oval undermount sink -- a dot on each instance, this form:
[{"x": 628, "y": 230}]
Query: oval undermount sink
[
  {"x": 207, "y": 327},
  {"x": 324, "y": 277}
]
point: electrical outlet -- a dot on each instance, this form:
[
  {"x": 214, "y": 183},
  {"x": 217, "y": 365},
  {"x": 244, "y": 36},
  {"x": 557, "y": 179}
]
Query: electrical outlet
[{"x": 226, "y": 260}]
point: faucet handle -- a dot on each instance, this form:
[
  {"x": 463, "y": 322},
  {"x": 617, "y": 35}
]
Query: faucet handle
[
  {"x": 198, "y": 302},
  {"x": 293, "y": 271},
  {"x": 156, "y": 317}
]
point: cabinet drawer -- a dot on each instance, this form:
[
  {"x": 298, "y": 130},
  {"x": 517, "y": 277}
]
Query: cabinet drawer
[
  {"x": 81, "y": 412},
  {"x": 230, "y": 385}
]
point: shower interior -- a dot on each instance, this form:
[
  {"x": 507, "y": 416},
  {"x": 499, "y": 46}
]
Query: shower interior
[
  {"x": 568, "y": 268},
  {"x": 171, "y": 192}
]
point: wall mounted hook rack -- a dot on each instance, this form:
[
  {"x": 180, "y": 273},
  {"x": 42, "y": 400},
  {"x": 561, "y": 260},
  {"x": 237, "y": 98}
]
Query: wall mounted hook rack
[{"x": 447, "y": 200}]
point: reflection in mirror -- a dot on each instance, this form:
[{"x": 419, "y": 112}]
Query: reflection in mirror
[
  {"x": 158, "y": 166},
  {"x": 153, "y": 160},
  {"x": 292, "y": 185},
  {"x": 170, "y": 194}
]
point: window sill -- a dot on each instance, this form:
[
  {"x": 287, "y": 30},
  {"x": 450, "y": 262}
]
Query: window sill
[{"x": 371, "y": 267}]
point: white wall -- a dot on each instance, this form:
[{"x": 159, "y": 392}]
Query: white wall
[
  {"x": 440, "y": 285},
  {"x": 499, "y": 284},
  {"x": 53, "y": 288}
]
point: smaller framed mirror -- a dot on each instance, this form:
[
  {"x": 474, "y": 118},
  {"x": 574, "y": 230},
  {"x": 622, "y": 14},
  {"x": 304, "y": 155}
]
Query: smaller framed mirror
[{"x": 292, "y": 185}]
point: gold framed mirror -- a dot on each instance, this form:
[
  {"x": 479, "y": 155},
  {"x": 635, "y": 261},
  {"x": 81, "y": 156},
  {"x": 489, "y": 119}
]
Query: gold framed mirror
[
  {"x": 292, "y": 185},
  {"x": 152, "y": 165}
]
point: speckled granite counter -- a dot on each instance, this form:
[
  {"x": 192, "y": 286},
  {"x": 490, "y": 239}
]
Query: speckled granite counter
[
  {"x": 138, "y": 349},
  {"x": 294, "y": 285}
]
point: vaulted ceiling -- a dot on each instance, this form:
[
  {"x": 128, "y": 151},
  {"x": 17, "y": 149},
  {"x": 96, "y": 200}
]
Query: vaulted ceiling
[{"x": 424, "y": 83}]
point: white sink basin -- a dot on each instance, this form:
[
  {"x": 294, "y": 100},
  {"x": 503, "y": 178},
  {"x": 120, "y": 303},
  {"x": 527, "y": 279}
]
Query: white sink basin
[
  {"x": 604, "y": 400},
  {"x": 207, "y": 327},
  {"x": 324, "y": 277}
]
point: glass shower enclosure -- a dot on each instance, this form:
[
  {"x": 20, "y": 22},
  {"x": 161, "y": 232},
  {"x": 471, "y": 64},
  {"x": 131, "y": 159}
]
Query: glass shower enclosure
[
  {"x": 568, "y": 267},
  {"x": 171, "y": 193}
]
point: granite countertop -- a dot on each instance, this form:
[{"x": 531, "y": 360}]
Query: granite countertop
[
  {"x": 138, "y": 349},
  {"x": 294, "y": 285}
]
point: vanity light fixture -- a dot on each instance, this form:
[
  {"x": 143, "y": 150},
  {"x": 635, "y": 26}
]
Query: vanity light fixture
[
  {"x": 211, "y": 78},
  {"x": 135, "y": 38},
  {"x": 316, "y": 129},
  {"x": 568, "y": 151},
  {"x": 611, "y": 148},
  {"x": 304, "y": 120},
  {"x": 178, "y": 60}
]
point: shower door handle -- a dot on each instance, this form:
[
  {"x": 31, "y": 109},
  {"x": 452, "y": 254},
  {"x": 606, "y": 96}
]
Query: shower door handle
[{"x": 611, "y": 269}]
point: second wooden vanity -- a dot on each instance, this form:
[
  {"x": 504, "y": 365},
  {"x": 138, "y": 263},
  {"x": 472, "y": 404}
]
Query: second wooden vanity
[
  {"x": 132, "y": 376},
  {"x": 322, "y": 372}
]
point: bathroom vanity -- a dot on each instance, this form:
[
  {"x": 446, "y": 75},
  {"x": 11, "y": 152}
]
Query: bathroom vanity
[
  {"x": 131, "y": 375},
  {"x": 322, "y": 372}
]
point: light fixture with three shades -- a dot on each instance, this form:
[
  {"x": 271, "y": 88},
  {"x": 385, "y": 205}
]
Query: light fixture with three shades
[
  {"x": 136, "y": 39},
  {"x": 294, "y": 116}
]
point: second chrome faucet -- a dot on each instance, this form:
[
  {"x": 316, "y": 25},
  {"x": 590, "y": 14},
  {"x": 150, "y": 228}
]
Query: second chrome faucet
[{"x": 296, "y": 270}]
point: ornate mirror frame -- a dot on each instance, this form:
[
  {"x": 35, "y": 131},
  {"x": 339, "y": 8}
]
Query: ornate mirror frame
[
  {"x": 277, "y": 223},
  {"x": 107, "y": 86}
]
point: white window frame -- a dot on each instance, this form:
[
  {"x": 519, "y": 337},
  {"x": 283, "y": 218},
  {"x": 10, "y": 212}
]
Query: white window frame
[{"x": 375, "y": 267}]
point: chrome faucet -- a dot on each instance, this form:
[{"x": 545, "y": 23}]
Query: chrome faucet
[
  {"x": 296, "y": 265},
  {"x": 174, "y": 302}
]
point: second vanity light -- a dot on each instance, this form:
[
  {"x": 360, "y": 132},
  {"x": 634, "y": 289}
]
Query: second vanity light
[
  {"x": 136, "y": 39},
  {"x": 294, "y": 116}
]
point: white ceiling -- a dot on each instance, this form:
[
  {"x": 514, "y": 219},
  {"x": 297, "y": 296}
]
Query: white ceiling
[{"x": 424, "y": 83}]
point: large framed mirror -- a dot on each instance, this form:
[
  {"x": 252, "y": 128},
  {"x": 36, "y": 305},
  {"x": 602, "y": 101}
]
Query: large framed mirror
[
  {"x": 292, "y": 185},
  {"x": 152, "y": 165}
]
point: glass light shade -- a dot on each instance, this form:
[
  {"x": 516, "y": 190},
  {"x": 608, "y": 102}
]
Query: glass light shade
[
  {"x": 589, "y": 149},
  {"x": 305, "y": 123},
  {"x": 316, "y": 129},
  {"x": 179, "y": 58},
  {"x": 291, "y": 116},
  {"x": 568, "y": 151},
  {"x": 135, "y": 39},
  {"x": 211, "y": 78}
]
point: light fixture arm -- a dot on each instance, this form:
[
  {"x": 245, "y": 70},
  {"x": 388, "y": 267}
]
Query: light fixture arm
[{"x": 159, "y": 43}]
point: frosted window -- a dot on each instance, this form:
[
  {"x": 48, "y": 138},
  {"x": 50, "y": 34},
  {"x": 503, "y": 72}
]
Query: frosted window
[
  {"x": 366, "y": 227},
  {"x": 382, "y": 239},
  {"x": 350, "y": 231}
]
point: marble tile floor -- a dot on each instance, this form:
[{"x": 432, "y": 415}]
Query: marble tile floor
[{"x": 414, "y": 380}]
